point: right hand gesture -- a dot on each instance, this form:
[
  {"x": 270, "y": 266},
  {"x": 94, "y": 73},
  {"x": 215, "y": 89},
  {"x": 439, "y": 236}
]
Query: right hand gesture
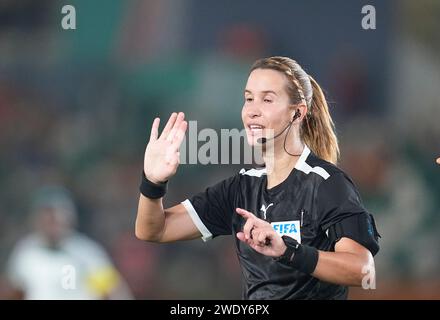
[
  {"x": 260, "y": 235},
  {"x": 162, "y": 153}
]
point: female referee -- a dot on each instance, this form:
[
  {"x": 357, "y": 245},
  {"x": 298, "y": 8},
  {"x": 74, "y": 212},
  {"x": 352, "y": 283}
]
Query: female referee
[{"x": 300, "y": 229}]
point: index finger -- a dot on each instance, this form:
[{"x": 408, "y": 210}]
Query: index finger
[
  {"x": 154, "y": 129},
  {"x": 169, "y": 125},
  {"x": 244, "y": 213}
]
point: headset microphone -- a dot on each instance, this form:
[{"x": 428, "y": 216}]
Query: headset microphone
[{"x": 296, "y": 116}]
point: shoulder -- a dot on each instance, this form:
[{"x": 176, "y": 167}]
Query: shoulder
[
  {"x": 330, "y": 178},
  {"x": 328, "y": 171},
  {"x": 312, "y": 165},
  {"x": 27, "y": 244},
  {"x": 24, "y": 252},
  {"x": 336, "y": 187}
]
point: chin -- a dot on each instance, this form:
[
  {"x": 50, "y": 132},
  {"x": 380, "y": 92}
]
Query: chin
[{"x": 253, "y": 140}]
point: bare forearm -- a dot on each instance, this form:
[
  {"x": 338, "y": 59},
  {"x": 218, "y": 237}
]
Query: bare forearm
[
  {"x": 150, "y": 219},
  {"x": 342, "y": 268}
]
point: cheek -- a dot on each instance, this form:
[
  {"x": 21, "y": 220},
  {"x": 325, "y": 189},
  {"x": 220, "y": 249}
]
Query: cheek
[
  {"x": 273, "y": 117},
  {"x": 278, "y": 115},
  {"x": 243, "y": 113}
]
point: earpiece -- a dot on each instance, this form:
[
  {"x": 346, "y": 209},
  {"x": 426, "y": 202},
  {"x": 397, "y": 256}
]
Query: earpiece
[{"x": 297, "y": 115}]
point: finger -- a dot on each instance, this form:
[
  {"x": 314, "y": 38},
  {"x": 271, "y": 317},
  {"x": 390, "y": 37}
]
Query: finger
[
  {"x": 180, "y": 135},
  {"x": 261, "y": 237},
  {"x": 169, "y": 125},
  {"x": 155, "y": 129},
  {"x": 244, "y": 213},
  {"x": 248, "y": 227},
  {"x": 438, "y": 160},
  {"x": 259, "y": 249},
  {"x": 179, "y": 120},
  {"x": 252, "y": 232},
  {"x": 264, "y": 238},
  {"x": 240, "y": 236},
  {"x": 256, "y": 235}
]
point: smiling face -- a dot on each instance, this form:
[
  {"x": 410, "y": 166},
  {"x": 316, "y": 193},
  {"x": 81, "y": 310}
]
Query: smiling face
[{"x": 267, "y": 108}]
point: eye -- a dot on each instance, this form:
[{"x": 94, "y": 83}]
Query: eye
[
  {"x": 268, "y": 100},
  {"x": 249, "y": 99}
]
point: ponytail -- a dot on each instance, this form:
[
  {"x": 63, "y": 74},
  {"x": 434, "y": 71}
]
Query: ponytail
[{"x": 318, "y": 129}]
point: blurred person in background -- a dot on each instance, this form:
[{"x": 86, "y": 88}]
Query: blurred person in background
[{"x": 55, "y": 261}]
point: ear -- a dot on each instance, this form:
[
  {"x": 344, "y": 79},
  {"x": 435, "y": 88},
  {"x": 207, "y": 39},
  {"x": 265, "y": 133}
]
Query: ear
[{"x": 302, "y": 108}]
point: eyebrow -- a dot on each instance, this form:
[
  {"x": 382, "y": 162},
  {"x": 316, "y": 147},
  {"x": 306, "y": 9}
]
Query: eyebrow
[{"x": 265, "y": 91}]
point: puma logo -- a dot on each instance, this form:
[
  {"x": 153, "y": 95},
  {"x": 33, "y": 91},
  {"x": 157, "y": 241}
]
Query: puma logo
[{"x": 264, "y": 209}]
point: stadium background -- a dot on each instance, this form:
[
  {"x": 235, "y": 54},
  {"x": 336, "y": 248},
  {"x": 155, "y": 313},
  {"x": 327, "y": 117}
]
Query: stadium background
[{"x": 76, "y": 108}]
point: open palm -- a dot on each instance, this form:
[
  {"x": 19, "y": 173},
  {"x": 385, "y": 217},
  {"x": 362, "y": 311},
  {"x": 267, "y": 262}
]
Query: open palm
[{"x": 162, "y": 153}]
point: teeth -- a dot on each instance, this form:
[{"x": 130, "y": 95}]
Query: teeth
[{"x": 253, "y": 126}]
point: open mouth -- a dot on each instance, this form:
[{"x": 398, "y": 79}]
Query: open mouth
[{"x": 255, "y": 129}]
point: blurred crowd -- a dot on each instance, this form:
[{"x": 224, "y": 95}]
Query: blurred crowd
[{"x": 76, "y": 108}]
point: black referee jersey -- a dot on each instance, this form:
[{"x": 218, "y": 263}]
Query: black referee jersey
[{"x": 315, "y": 197}]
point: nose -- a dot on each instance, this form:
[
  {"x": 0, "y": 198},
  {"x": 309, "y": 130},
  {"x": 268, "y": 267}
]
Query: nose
[{"x": 252, "y": 111}]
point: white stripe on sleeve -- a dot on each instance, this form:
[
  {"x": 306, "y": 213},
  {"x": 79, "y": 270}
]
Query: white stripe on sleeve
[{"x": 206, "y": 234}]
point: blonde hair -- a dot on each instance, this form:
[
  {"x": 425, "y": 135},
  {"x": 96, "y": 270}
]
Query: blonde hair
[{"x": 317, "y": 130}]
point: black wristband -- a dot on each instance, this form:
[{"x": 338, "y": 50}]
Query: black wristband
[
  {"x": 152, "y": 190},
  {"x": 301, "y": 257}
]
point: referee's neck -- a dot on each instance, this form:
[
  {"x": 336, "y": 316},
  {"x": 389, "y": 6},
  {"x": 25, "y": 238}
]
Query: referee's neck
[{"x": 279, "y": 166}]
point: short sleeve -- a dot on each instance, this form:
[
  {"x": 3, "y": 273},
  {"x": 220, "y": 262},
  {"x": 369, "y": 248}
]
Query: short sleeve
[
  {"x": 341, "y": 213},
  {"x": 212, "y": 209},
  {"x": 337, "y": 199}
]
